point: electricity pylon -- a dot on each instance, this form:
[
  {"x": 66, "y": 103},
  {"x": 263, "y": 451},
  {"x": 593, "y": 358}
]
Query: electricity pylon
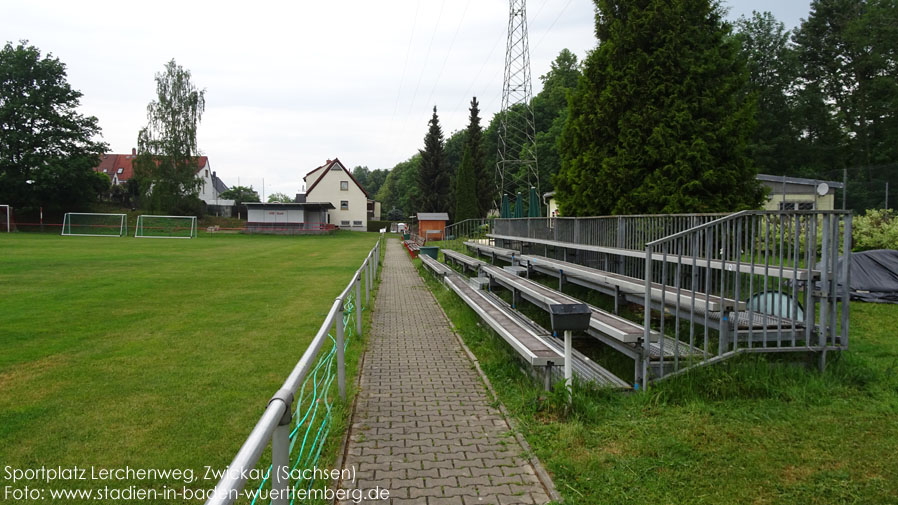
[{"x": 516, "y": 166}]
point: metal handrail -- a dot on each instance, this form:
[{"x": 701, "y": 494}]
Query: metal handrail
[
  {"x": 737, "y": 215},
  {"x": 274, "y": 424},
  {"x": 783, "y": 274}
]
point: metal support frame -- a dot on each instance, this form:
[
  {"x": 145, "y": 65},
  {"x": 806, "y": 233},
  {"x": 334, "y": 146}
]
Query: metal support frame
[
  {"x": 280, "y": 450},
  {"x": 568, "y": 365},
  {"x": 341, "y": 357},
  {"x": 358, "y": 305}
]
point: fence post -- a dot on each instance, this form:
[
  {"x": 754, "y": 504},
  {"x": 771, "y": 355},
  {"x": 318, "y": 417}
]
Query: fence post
[
  {"x": 358, "y": 304},
  {"x": 368, "y": 282},
  {"x": 280, "y": 450},
  {"x": 647, "y": 322},
  {"x": 341, "y": 358},
  {"x": 568, "y": 366}
]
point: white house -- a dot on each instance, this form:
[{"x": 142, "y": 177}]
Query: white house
[
  {"x": 120, "y": 169},
  {"x": 333, "y": 183}
]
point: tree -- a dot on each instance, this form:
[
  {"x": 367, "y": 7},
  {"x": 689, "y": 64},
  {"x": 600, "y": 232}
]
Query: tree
[
  {"x": 433, "y": 178},
  {"x": 371, "y": 180},
  {"x": 550, "y": 113},
  {"x": 400, "y": 189},
  {"x": 773, "y": 69},
  {"x": 395, "y": 214},
  {"x": 240, "y": 195},
  {"x": 47, "y": 154},
  {"x": 659, "y": 121},
  {"x": 849, "y": 92},
  {"x": 279, "y": 197},
  {"x": 166, "y": 162},
  {"x": 467, "y": 205}
]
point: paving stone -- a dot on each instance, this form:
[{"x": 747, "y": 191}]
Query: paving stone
[{"x": 424, "y": 425}]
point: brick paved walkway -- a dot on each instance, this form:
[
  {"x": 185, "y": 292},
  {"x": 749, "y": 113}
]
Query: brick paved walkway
[{"x": 423, "y": 426}]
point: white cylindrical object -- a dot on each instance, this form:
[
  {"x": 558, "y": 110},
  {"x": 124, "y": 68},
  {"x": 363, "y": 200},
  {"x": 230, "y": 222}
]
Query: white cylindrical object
[
  {"x": 568, "y": 369},
  {"x": 280, "y": 463}
]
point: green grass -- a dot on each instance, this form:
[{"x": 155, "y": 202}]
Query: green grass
[
  {"x": 155, "y": 353},
  {"x": 753, "y": 430}
]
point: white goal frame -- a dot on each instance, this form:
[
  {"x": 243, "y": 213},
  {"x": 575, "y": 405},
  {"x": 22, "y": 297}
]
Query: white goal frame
[
  {"x": 8, "y": 218},
  {"x": 67, "y": 224},
  {"x": 138, "y": 229}
]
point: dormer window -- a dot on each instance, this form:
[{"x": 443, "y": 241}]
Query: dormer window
[{"x": 344, "y": 185}]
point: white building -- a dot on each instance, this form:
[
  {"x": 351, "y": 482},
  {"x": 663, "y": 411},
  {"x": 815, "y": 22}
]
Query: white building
[
  {"x": 120, "y": 169},
  {"x": 333, "y": 183},
  {"x": 287, "y": 218}
]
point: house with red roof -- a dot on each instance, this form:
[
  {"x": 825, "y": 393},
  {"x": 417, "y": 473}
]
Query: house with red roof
[
  {"x": 120, "y": 169},
  {"x": 333, "y": 183}
]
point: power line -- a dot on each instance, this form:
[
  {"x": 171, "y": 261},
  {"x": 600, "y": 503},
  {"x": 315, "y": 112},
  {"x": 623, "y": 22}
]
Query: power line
[
  {"x": 549, "y": 29},
  {"x": 448, "y": 52},
  {"x": 405, "y": 66},
  {"x": 421, "y": 74}
]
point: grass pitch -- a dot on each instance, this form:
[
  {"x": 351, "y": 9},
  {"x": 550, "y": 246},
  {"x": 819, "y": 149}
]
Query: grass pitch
[{"x": 153, "y": 354}]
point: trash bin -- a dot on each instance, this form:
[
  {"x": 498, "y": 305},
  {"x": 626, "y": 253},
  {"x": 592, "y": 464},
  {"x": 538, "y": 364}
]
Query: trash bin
[
  {"x": 406, "y": 236},
  {"x": 433, "y": 252},
  {"x": 569, "y": 316}
]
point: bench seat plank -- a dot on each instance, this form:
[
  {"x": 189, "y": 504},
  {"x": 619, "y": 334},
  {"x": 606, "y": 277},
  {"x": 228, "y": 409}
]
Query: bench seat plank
[{"x": 521, "y": 338}]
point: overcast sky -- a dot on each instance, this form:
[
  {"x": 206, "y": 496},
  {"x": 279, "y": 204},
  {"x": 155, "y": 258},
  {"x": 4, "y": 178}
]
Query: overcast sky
[{"x": 291, "y": 84}]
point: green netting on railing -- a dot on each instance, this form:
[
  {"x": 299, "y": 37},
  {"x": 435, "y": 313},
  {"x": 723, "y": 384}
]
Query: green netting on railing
[{"x": 314, "y": 402}]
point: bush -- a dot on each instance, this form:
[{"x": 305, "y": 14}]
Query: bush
[
  {"x": 190, "y": 206},
  {"x": 375, "y": 226},
  {"x": 395, "y": 214},
  {"x": 877, "y": 229}
]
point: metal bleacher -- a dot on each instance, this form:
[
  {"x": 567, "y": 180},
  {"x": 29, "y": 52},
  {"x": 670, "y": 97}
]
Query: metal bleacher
[
  {"x": 710, "y": 286},
  {"x": 536, "y": 345}
]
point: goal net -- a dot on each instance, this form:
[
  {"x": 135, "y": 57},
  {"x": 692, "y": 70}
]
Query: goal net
[
  {"x": 6, "y": 223},
  {"x": 149, "y": 226},
  {"x": 88, "y": 224}
]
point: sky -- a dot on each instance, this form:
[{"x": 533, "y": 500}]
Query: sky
[{"x": 292, "y": 84}]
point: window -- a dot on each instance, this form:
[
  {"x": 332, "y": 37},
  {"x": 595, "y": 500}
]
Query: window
[
  {"x": 344, "y": 204},
  {"x": 344, "y": 223},
  {"x": 357, "y": 223},
  {"x": 797, "y": 206},
  {"x": 120, "y": 170},
  {"x": 344, "y": 185}
]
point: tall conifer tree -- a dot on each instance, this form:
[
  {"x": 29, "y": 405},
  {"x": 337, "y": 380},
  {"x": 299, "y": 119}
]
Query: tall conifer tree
[
  {"x": 433, "y": 178},
  {"x": 471, "y": 179},
  {"x": 660, "y": 120}
]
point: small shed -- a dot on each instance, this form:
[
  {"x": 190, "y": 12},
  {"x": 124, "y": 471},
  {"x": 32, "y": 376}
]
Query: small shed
[
  {"x": 432, "y": 225},
  {"x": 288, "y": 218}
]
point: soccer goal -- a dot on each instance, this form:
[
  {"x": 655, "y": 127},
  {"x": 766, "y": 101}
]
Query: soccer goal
[
  {"x": 6, "y": 224},
  {"x": 149, "y": 226},
  {"x": 91, "y": 224}
]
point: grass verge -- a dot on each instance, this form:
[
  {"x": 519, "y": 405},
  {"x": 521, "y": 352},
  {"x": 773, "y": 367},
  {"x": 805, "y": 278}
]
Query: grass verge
[{"x": 756, "y": 429}]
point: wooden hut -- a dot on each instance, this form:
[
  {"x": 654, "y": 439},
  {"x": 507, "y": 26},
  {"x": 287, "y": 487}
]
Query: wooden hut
[{"x": 432, "y": 225}]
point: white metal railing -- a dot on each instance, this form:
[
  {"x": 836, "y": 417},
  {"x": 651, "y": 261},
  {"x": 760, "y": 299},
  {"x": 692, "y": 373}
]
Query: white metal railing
[{"x": 274, "y": 424}]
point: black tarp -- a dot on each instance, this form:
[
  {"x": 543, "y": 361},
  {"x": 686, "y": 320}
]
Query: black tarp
[{"x": 874, "y": 276}]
